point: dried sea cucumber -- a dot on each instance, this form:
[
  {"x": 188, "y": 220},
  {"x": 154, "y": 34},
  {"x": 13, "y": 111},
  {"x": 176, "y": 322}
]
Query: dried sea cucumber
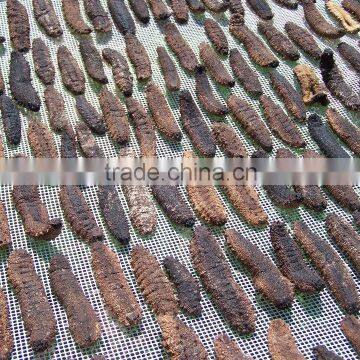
[
  {"x": 196, "y": 6},
  {"x": 79, "y": 215},
  {"x": 216, "y": 6},
  {"x": 322, "y": 353},
  {"x": 46, "y": 17},
  {"x": 303, "y": 39},
  {"x": 261, "y": 8},
  {"x": 89, "y": 115},
  {"x": 113, "y": 213},
  {"x": 87, "y": 142},
  {"x": 353, "y": 7},
  {"x": 168, "y": 68},
  {"x": 37, "y": 314},
  {"x": 84, "y": 324},
  {"x": 217, "y": 36},
  {"x": 6, "y": 336},
  {"x": 345, "y": 237},
  {"x": 186, "y": 286},
  {"x": 228, "y": 140},
  {"x": 161, "y": 113},
  {"x": 5, "y": 237},
  {"x": 41, "y": 140},
  {"x": 227, "y": 349},
  {"x": 356, "y": 216},
  {"x": 250, "y": 121},
  {"x": 345, "y": 18},
  {"x": 291, "y": 262},
  {"x": 19, "y": 26},
  {"x": 68, "y": 143},
  {"x": 280, "y": 124},
  {"x": 344, "y": 129},
  {"x": 11, "y": 120},
  {"x": 20, "y": 82},
  {"x": 115, "y": 117},
  {"x": 144, "y": 127},
  {"x": 254, "y": 46},
  {"x": 140, "y": 10},
  {"x": 153, "y": 283},
  {"x": 121, "y": 17},
  {"x": 350, "y": 326},
  {"x": 55, "y": 107},
  {"x": 206, "y": 95},
  {"x": 345, "y": 196},
  {"x": 215, "y": 274},
  {"x": 330, "y": 266},
  {"x": 120, "y": 69},
  {"x": 350, "y": 54},
  {"x": 92, "y": 60},
  {"x": 266, "y": 277},
  {"x": 73, "y": 17},
  {"x": 278, "y": 41},
  {"x": 195, "y": 125},
  {"x": 180, "y": 47},
  {"x": 180, "y": 11},
  {"x": 311, "y": 88},
  {"x": 180, "y": 340},
  {"x": 214, "y": 65},
  {"x": 282, "y": 343},
  {"x": 72, "y": 76},
  {"x": 97, "y": 15},
  {"x": 159, "y": 9},
  {"x": 247, "y": 77}
]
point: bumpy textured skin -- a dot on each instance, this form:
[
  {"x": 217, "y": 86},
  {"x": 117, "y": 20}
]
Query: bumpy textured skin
[
  {"x": 206, "y": 95},
  {"x": 138, "y": 56},
  {"x": 73, "y": 17},
  {"x": 120, "y": 69},
  {"x": 46, "y": 17},
  {"x": 140, "y": 10},
  {"x": 353, "y": 7},
  {"x": 228, "y": 140},
  {"x": 68, "y": 144},
  {"x": 350, "y": 326},
  {"x": 79, "y": 215},
  {"x": 159, "y": 9},
  {"x": 325, "y": 139},
  {"x": 113, "y": 214},
  {"x": 89, "y": 115},
  {"x": 196, "y": 6},
  {"x": 261, "y": 8},
  {"x": 6, "y": 337},
  {"x": 161, "y": 113},
  {"x": 121, "y": 16},
  {"x": 34, "y": 214},
  {"x": 11, "y": 120},
  {"x": 113, "y": 286},
  {"x": 266, "y": 277},
  {"x": 214, "y": 65},
  {"x": 350, "y": 54},
  {"x": 216, "y": 6},
  {"x": 217, "y": 36},
  {"x": 114, "y": 117},
  {"x": 280, "y": 124},
  {"x": 180, "y": 47},
  {"x": 256, "y": 49},
  {"x": 322, "y": 353},
  {"x": 97, "y": 15},
  {"x": 87, "y": 142},
  {"x": 92, "y": 60},
  {"x": 215, "y": 274},
  {"x": 153, "y": 283},
  {"x": 55, "y": 107},
  {"x": 282, "y": 344},
  {"x": 168, "y": 69},
  {"x": 41, "y": 140},
  {"x": 345, "y": 196},
  {"x": 303, "y": 39},
  {"x": 346, "y": 20},
  {"x": 36, "y": 312},
  {"x": 83, "y": 322},
  {"x": 227, "y": 349},
  {"x": 5, "y": 238},
  {"x": 20, "y": 82},
  {"x": 180, "y": 11},
  {"x": 144, "y": 127},
  {"x": 330, "y": 266},
  {"x": 344, "y": 129},
  {"x": 250, "y": 121},
  {"x": 247, "y": 77},
  {"x": 345, "y": 237},
  {"x": 278, "y": 41},
  {"x": 186, "y": 286},
  {"x": 19, "y": 26},
  {"x": 195, "y": 126},
  {"x": 291, "y": 262},
  {"x": 71, "y": 74},
  {"x": 311, "y": 88},
  {"x": 245, "y": 199},
  {"x": 180, "y": 341}
]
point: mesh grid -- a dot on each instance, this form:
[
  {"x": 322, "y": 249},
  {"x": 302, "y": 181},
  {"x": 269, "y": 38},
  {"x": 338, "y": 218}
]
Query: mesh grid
[{"x": 314, "y": 320}]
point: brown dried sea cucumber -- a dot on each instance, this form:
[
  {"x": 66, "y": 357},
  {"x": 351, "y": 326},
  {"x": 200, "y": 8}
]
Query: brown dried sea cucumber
[
  {"x": 350, "y": 326},
  {"x": 261, "y": 8},
  {"x": 168, "y": 68},
  {"x": 46, "y": 17},
  {"x": 5, "y": 237},
  {"x": 11, "y": 120},
  {"x": 217, "y": 36},
  {"x": 87, "y": 142},
  {"x": 350, "y": 54},
  {"x": 159, "y": 9},
  {"x": 6, "y": 336},
  {"x": 180, "y": 11},
  {"x": 140, "y": 10},
  {"x": 55, "y": 107},
  {"x": 196, "y": 6},
  {"x": 68, "y": 143},
  {"x": 236, "y": 7},
  {"x": 97, "y": 15},
  {"x": 121, "y": 17},
  {"x": 227, "y": 349},
  {"x": 345, "y": 18},
  {"x": 41, "y": 140},
  {"x": 322, "y": 353},
  {"x": 73, "y": 17}
]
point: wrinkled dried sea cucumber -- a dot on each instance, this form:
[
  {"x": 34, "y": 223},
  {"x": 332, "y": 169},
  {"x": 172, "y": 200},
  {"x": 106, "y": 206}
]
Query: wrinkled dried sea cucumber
[
  {"x": 73, "y": 17},
  {"x": 266, "y": 277},
  {"x": 46, "y": 17},
  {"x": 350, "y": 326},
  {"x": 261, "y": 8},
  {"x": 236, "y": 7},
  {"x": 159, "y": 9},
  {"x": 330, "y": 266},
  {"x": 196, "y": 6},
  {"x": 113, "y": 286},
  {"x": 41, "y": 140},
  {"x": 186, "y": 286},
  {"x": 350, "y": 54},
  {"x": 55, "y": 107},
  {"x": 84, "y": 324},
  {"x": 227, "y": 349},
  {"x": 87, "y": 142},
  {"x": 79, "y": 215},
  {"x": 353, "y": 7},
  {"x": 5, "y": 238},
  {"x": 68, "y": 143},
  {"x": 180, "y": 10},
  {"x": 322, "y": 353},
  {"x": 97, "y": 15},
  {"x": 168, "y": 68},
  {"x": 121, "y": 17},
  {"x": 6, "y": 336},
  {"x": 217, "y": 36},
  {"x": 345, "y": 18},
  {"x": 140, "y": 10},
  {"x": 215, "y": 274},
  {"x": 37, "y": 314},
  {"x": 11, "y": 120},
  {"x": 216, "y": 6}
]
